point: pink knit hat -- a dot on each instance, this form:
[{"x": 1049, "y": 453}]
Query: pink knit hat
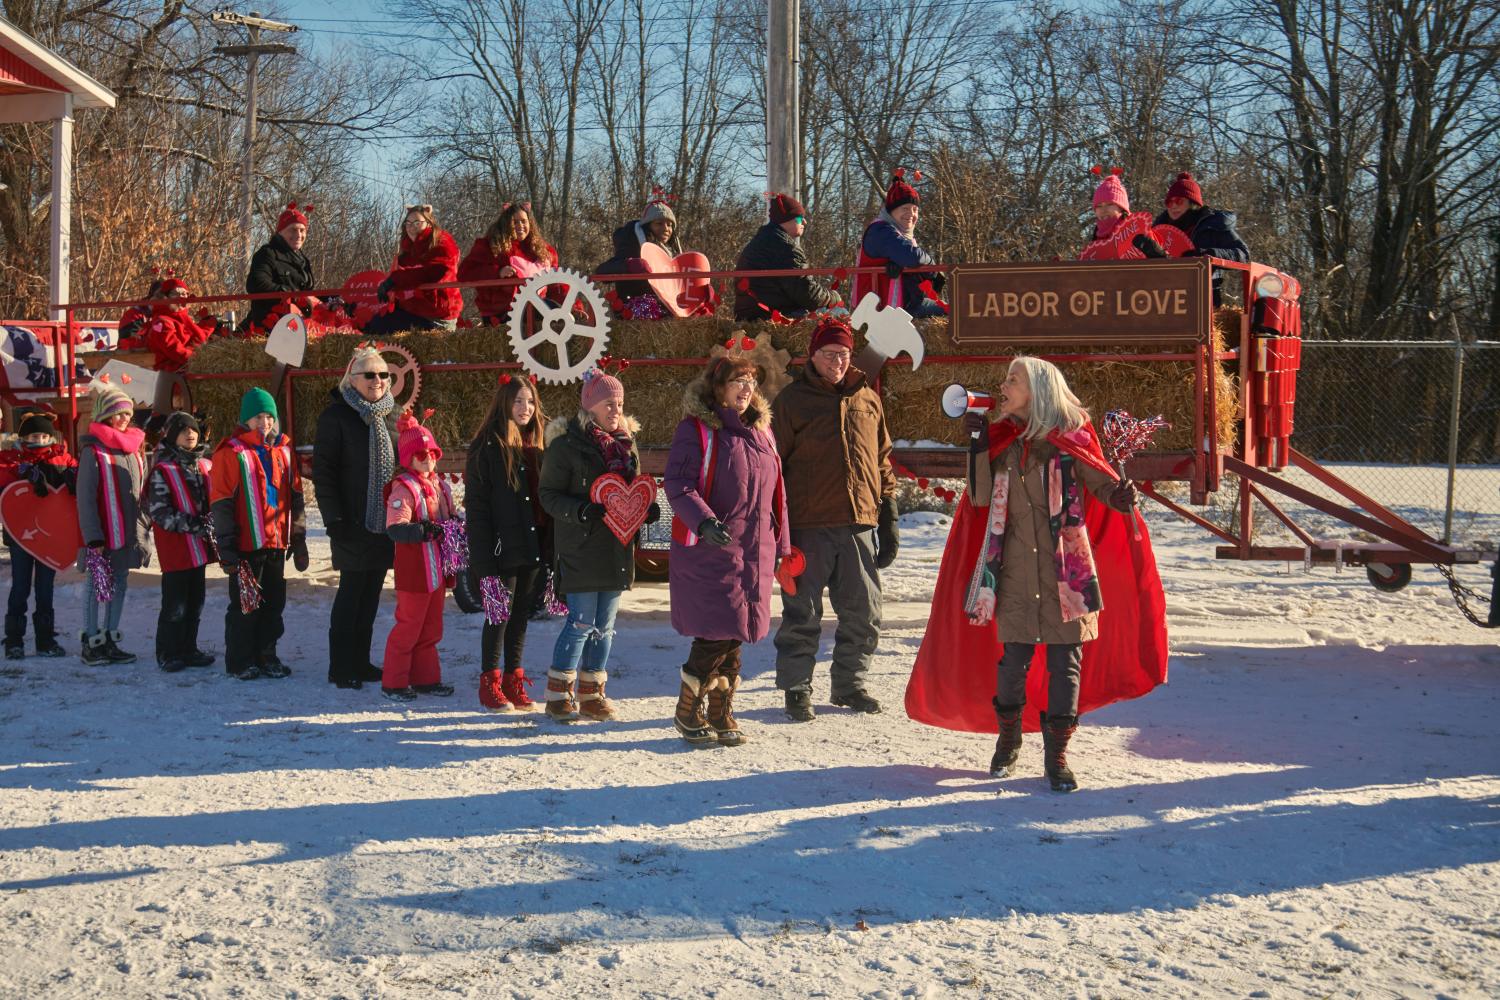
[
  {"x": 599, "y": 386},
  {"x": 1112, "y": 192},
  {"x": 414, "y": 439}
]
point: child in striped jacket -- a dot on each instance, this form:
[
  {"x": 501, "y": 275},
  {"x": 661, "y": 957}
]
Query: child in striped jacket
[
  {"x": 417, "y": 501},
  {"x": 177, "y": 502}
]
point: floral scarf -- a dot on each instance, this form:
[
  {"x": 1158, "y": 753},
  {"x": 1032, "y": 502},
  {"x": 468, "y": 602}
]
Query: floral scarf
[{"x": 1073, "y": 557}]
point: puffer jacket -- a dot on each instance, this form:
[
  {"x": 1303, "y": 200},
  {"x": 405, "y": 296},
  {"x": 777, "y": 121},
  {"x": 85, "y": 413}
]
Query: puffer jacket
[
  {"x": 835, "y": 450},
  {"x": 276, "y": 267},
  {"x": 508, "y": 530},
  {"x": 774, "y": 249},
  {"x": 588, "y": 557},
  {"x": 111, "y": 479},
  {"x": 430, "y": 259}
]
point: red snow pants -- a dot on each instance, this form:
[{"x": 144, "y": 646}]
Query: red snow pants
[{"x": 411, "y": 654}]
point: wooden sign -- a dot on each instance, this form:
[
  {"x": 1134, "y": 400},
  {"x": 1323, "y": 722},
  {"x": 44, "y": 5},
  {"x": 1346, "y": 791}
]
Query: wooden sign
[{"x": 1081, "y": 302}]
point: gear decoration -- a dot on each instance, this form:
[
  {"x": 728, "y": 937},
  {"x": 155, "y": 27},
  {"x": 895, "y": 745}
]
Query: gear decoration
[
  {"x": 406, "y": 374},
  {"x": 556, "y": 326}
]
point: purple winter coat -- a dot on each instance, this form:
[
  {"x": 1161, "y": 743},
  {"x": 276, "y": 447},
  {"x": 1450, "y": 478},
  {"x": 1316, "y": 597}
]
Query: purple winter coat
[{"x": 725, "y": 593}]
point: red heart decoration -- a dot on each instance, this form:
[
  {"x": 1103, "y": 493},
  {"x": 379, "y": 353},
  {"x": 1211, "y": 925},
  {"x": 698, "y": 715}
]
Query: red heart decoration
[
  {"x": 792, "y": 565},
  {"x": 625, "y": 504},
  {"x": 46, "y": 527},
  {"x": 923, "y": 482}
]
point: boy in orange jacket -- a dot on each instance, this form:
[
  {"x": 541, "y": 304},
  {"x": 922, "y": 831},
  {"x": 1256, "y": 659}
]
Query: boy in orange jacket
[{"x": 255, "y": 499}]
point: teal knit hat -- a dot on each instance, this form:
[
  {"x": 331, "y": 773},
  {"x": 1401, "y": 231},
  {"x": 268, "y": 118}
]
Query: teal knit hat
[{"x": 256, "y": 402}]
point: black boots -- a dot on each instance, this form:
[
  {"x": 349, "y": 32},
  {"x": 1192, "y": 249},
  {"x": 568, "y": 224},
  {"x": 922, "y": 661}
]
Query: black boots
[
  {"x": 15, "y": 637},
  {"x": 1056, "y": 732},
  {"x": 1008, "y": 746},
  {"x": 799, "y": 706},
  {"x": 45, "y": 626}
]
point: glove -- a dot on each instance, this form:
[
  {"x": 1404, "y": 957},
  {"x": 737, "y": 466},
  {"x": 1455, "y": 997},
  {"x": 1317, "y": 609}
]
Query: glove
[
  {"x": 300, "y": 558},
  {"x": 383, "y": 289},
  {"x": 1148, "y": 246},
  {"x": 887, "y": 535},
  {"x": 97, "y": 543},
  {"x": 939, "y": 281},
  {"x": 653, "y": 514},
  {"x": 892, "y": 270},
  {"x": 975, "y": 425},
  {"x": 229, "y": 560},
  {"x": 1123, "y": 497},
  {"x": 713, "y": 532},
  {"x": 431, "y": 530},
  {"x": 590, "y": 512},
  {"x": 34, "y": 475}
]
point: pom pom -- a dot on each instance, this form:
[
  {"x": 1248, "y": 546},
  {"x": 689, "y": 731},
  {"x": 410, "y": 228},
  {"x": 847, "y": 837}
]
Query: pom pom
[
  {"x": 1117, "y": 171},
  {"x": 505, "y": 379},
  {"x": 427, "y": 413},
  {"x": 1184, "y": 177},
  {"x": 292, "y": 205},
  {"x": 101, "y": 576},
  {"x": 250, "y": 595},
  {"x": 453, "y": 547},
  {"x": 747, "y": 343},
  {"x": 1096, "y": 170},
  {"x": 917, "y": 176},
  {"x": 550, "y": 602},
  {"x": 900, "y": 173},
  {"x": 496, "y": 598},
  {"x": 405, "y": 422}
]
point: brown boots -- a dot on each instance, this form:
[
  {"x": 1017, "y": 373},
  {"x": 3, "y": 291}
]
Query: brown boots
[
  {"x": 689, "y": 719},
  {"x": 1056, "y": 732},
  {"x": 560, "y": 704},
  {"x": 721, "y": 689},
  {"x": 711, "y": 674},
  {"x": 590, "y": 702},
  {"x": 1008, "y": 746}
]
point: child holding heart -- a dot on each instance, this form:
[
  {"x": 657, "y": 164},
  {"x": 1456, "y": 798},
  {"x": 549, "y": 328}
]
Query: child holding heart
[
  {"x": 43, "y": 461},
  {"x": 594, "y": 567}
]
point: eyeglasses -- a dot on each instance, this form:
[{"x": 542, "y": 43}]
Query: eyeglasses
[
  {"x": 838, "y": 357},
  {"x": 744, "y": 382},
  {"x": 372, "y": 376}
]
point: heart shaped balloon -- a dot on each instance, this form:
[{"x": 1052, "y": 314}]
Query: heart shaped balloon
[
  {"x": 46, "y": 527},
  {"x": 625, "y": 504}
]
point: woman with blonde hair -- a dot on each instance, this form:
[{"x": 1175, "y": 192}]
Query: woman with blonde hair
[
  {"x": 1041, "y": 544},
  {"x": 354, "y": 457},
  {"x": 428, "y": 256}
]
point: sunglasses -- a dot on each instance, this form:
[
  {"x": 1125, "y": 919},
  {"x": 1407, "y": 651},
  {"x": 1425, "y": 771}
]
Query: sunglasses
[
  {"x": 372, "y": 376},
  {"x": 422, "y": 456}
]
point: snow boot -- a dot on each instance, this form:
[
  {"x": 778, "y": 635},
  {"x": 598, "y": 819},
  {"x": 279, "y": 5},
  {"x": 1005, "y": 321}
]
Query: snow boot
[
  {"x": 112, "y": 649},
  {"x": 491, "y": 692},
  {"x": 513, "y": 686},
  {"x": 858, "y": 701},
  {"x": 560, "y": 704},
  {"x": 45, "y": 628},
  {"x": 721, "y": 690},
  {"x": 400, "y": 695},
  {"x": 15, "y": 637},
  {"x": 1056, "y": 732},
  {"x": 799, "y": 706},
  {"x": 269, "y": 665},
  {"x": 172, "y": 665},
  {"x": 434, "y": 690},
  {"x": 91, "y": 649},
  {"x": 1008, "y": 746},
  {"x": 591, "y": 701},
  {"x": 689, "y": 720},
  {"x": 198, "y": 658}
]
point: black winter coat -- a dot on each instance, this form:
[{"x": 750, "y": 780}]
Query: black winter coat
[
  {"x": 341, "y": 476},
  {"x": 589, "y": 558},
  {"x": 504, "y": 535},
  {"x": 1213, "y": 234},
  {"x": 772, "y": 249},
  {"x": 276, "y": 267}
]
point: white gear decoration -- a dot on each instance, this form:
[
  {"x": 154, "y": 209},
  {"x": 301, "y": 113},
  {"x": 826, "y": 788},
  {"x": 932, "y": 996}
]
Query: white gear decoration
[{"x": 557, "y": 325}]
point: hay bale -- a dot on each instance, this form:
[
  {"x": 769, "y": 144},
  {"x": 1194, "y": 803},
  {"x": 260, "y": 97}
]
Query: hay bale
[{"x": 654, "y": 392}]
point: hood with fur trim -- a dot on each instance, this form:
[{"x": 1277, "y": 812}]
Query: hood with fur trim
[
  {"x": 757, "y": 417},
  {"x": 558, "y": 426}
]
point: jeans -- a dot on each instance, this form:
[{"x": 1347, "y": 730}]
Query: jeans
[
  {"x": 113, "y": 610},
  {"x": 588, "y": 633},
  {"x": 27, "y": 574}
]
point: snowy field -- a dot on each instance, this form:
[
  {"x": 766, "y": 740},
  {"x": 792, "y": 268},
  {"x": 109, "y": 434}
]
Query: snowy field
[{"x": 1310, "y": 809}]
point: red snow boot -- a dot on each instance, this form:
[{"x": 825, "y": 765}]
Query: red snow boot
[
  {"x": 491, "y": 695},
  {"x": 514, "y": 686}
]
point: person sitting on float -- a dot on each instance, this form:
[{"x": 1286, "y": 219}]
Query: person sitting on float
[
  {"x": 513, "y": 247},
  {"x": 133, "y": 322},
  {"x": 173, "y": 335},
  {"x": 1119, "y": 233},
  {"x": 428, "y": 256},
  {"x": 1211, "y": 230},
  {"x": 777, "y": 246},
  {"x": 657, "y": 224},
  {"x": 890, "y": 242},
  {"x": 281, "y": 266}
]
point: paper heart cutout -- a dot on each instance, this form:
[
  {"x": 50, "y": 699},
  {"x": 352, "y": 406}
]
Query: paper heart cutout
[
  {"x": 46, "y": 527},
  {"x": 792, "y": 565},
  {"x": 681, "y": 296},
  {"x": 625, "y": 504}
]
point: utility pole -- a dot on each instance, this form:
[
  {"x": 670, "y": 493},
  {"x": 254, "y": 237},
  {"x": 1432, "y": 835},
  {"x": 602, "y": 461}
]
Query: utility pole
[
  {"x": 783, "y": 110},
  {"x": 253, "y": 24}
]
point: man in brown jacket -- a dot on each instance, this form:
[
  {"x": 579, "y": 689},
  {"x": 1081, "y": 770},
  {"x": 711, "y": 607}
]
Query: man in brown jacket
[{"x": 840, "y": 496}]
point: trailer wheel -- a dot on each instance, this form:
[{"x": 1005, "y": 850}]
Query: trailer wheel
[
  {"x": 1388, "y": 578},
  {"x": 466, "y": 593}
]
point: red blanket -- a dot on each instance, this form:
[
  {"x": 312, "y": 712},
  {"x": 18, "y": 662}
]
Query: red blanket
[{"x": 953, "y": 680}]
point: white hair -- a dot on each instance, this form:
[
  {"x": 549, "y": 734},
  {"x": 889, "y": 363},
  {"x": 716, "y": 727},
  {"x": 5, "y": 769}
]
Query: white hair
[
  {"x": 1053, "y": 405},
  {"x": 360, "y": 361}
]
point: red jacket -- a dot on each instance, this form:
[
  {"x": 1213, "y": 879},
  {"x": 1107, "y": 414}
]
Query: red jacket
[
  {"x": 132, "y": 325},
  {"x": 245, "y": 518},
  {"x": 53, "y": 463},
  {"x": 172, "y": 336},
  {"x": 430, "y": 260},
  {"x": 412, "y": 498},
  {"x": 481, "y": 263}
]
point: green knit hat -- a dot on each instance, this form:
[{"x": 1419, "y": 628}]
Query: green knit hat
[{"x": 256, "y": 402}]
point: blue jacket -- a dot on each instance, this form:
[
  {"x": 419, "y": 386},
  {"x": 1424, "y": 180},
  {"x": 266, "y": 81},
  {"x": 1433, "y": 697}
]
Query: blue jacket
[{"x": 884, "y": 241}]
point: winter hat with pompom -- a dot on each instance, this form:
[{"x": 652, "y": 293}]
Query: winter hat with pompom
[
  {"x": 599, "y": 386},
  {"x": 831, "y": 331},
  {"x": 110, "y": 400},
  {"x": 292, "y": 215},
  {"x": 414, "y": 440},
  {"x": 1186, "y": 187},
  {"x": 1111, "y": 191},
  {"x": 901, "y": 193},
  {"x": 785, "y": 208}
]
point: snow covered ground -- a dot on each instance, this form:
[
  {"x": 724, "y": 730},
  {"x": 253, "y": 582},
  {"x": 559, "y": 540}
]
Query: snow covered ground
[{"x": 1311, "y": 808}]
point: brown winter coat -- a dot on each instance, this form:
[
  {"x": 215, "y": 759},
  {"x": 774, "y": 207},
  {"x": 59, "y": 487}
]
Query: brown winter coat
[
  {"x": 1027, "y": 608},
  {"x": 835, "y": 450}
]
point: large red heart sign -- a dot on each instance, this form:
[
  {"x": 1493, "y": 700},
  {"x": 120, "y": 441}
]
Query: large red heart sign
[
  {"x": 681, "y": 296},
  {"x": 46, "y": 527},
  {"x": 625, "y": 504}
]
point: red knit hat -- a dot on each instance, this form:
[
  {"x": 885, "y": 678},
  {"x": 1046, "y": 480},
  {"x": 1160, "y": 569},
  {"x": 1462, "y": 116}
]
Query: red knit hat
[
  {"x": 901, "y": 193},
  {"x": 1112, "y": 190},
  {"x": 171, "y": 284},
  {"x": 785, "y": 208},
  {"x": 1186, "y": 187},
  {"x": 598, "y": 386},
  {"x": 292, "y": 215},
  {"x": 831, "y": 331},
  {"x": 414, "y": 438}
]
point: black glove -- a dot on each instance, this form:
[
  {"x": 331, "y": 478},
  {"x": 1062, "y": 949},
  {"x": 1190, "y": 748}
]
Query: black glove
[
  {"x": 887, "y": 534},
  {"x": 229, "y": 559},
  {"x": 977, "y": 426},
  {"x": 892, "y": 270},
  {"x": 939, "y": 281},
  {"x": 97, "y": 543},
  {"x": 33, "y": 474},
  {"x": 339, "y": 530},
  {"x": 590, "y": 512},
  {"x": 432, "y": 529},
  {"x": 713, "y": 532},
  {"x": 1148, "y": 246},
  {"x": 384, "y": 288},
  {"x": 300, "y": 558},
  {"x": 653, "y": 514},
  {"x": 1123, "y": 497}
]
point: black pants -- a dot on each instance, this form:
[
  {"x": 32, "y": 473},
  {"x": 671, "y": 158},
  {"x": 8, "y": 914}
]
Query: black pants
[
  {"x": 181, "y": 607},
  {"x": 398, "y": 320},
  {"x": 709, "y": 655},
  {"x": 250, "y": 639},
  {"x": 351, "y": 626},
  {"x": 1064, "y": 662},
  {"x": 525, "y": 586}
]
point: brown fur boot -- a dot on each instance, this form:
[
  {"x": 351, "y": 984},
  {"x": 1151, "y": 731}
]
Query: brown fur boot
[
  {"x": 721, "y": 689},
  {"x": 1008, "y": 746},
  {"x": 560, "y": 704},
  {"x": 591, "y": 701},
  {"x": 689, "y": 719}
]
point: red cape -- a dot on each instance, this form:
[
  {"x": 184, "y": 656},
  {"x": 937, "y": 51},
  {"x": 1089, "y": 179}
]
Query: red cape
[{"x": 953, "y": 680}]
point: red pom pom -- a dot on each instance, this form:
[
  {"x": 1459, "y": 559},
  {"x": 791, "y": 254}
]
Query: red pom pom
[
  {"x": 923, "y": 482},
  {"x": 900, "y": 173},
  {"x": 1117, "y": 171},
  {"x": 505, "y": 379},
  {"x": 1184, "y": 177},
  {"x": 427, "y": 413},
  {"x": 747, "y": 344},
  {"x": 307, "y": 209},
  {"x": 1096, "y": 170},
  {"x": 917, "y": 176}
]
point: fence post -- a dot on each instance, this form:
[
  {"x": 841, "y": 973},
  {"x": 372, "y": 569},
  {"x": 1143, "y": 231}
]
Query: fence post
[{"x": 1453, "y": 416}]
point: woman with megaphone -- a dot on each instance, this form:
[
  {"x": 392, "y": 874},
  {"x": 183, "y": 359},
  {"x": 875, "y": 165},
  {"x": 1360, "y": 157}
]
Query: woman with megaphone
[{"x": 1041, "y": 570}]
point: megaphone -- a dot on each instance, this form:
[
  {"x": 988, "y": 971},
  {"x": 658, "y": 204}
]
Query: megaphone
[{"x": 957, "y": 401}]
